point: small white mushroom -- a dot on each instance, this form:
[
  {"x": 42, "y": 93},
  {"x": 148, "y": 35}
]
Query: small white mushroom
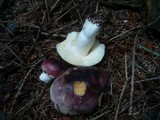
[{"x": 82, "y": 48}]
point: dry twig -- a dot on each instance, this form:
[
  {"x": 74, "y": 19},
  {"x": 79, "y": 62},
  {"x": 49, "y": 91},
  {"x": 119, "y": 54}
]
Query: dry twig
[
  {"x": 133, "y": 76},
  {"x": 123, "y": 89}
]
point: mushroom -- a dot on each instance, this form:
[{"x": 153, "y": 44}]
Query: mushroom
[
  {"x": 82, "y": 48},
  {"x": 79, "y": 90},
  {"x": 51, "y": 69}
]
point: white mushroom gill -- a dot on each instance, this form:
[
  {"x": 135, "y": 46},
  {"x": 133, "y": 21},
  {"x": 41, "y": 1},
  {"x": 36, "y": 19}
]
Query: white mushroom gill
[{"x": 82, "y": 48}]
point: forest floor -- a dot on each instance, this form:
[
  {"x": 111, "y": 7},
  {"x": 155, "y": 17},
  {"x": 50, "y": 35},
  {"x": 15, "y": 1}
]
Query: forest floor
[{"x": 29, "y": 32}]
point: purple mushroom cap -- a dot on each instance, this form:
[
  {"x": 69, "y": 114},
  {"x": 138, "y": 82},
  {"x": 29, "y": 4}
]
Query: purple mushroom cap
[
  {"x": 78, "y": 90},
  {"x": 53, "y": 67}
]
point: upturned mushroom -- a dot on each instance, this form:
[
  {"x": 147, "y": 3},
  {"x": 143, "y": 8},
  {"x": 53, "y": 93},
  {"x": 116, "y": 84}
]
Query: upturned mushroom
[
  {"x": 82, "y": 48},
  {"x": 51, "y": 68},
  {"x": 78, "y": 90}
]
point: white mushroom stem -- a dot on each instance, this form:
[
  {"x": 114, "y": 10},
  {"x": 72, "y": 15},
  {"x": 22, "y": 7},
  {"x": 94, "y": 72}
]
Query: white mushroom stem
[
  {"x": 45, "y": 77},
  {"x": 86, "y": 37}
]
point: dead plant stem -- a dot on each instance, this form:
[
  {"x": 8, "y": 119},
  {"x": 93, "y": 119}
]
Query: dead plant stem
[
  {"x": 123, "y": 89},
  {"x": 132, "y": 77}
]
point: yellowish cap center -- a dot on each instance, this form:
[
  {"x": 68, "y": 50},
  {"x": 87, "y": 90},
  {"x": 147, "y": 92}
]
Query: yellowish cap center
[{"x": 79, "y": 88}]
